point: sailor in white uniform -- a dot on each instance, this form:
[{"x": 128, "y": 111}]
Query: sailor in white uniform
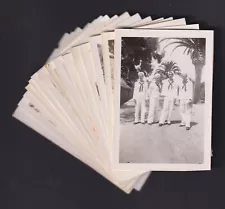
[
  {"x": 170, "y": 93},
  {"x": 177, "y": 78},
  {"x": 154, "y": 95},
  {"x": 140, "y": 96},
  {"x": 185, "y": 96}
]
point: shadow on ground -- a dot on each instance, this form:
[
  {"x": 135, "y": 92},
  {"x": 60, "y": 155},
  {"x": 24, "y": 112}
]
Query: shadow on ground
[{"x": 178, "y": 122}]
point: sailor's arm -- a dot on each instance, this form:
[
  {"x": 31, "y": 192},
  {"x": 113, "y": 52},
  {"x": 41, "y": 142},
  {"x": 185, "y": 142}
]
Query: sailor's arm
[{"x": 135, "y": 91}]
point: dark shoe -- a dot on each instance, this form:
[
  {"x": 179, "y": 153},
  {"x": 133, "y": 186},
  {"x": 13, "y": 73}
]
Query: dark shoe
[
  {"x": 187, "y": 128},
  {"x": 150, "y": 123},
  {"x": 143, "y": 123},
  {"x": 135, "y": 123},
  {"x": 160, "y": 124},
  {"x": 181, "y": 125}
]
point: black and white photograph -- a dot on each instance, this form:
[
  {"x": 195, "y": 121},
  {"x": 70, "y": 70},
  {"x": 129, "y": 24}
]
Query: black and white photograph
[
  {"x": 101, "y": 58},
  {"x": 98, "y": 66},
  {"x": 111, "y": 56},
  {"x": 165, "y": 87}
]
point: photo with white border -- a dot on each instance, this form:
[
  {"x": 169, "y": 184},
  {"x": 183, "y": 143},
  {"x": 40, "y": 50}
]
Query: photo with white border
[{"x": 168, "y": 134}]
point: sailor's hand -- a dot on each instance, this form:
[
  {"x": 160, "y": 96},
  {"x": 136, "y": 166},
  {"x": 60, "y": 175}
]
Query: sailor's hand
[
  {"x": 190, "y": 102},
  {"x": 176, "y": 102}
]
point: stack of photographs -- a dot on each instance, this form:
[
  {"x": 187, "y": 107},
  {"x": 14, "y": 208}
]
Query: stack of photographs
[{"x": 127, "y": 95}]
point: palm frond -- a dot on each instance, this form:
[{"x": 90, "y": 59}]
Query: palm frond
[
  {"x": 192, "y": 40},
  {"x": 195, "y": 47},
  {"x": 188, "y": 41},
  {"x": 185, "y": 50},
  {"x": 189, "y": 51},
  {"x": 178, "y": 43},
  {"x": 177, "y": 47},
  {"x": 164, "y": 39}
]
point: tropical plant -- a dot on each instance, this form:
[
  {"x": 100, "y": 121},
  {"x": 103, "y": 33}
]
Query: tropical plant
[
  {"x": 170, "y": 66},
  {"x": 195, "y": 47},
  {"x": 137, "y": 54}
]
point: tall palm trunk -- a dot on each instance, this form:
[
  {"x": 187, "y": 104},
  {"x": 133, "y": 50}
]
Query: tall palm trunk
[{"x": 197, "y": 85}]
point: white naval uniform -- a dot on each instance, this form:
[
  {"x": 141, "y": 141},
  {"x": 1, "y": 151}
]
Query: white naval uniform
[
  {"x": 169, "y": 90},
  {"x": 150, "y": 78},
  {"x": 153, "y": 94},
  {"x": 185, "y": 96},
  {"x": 140, "y": 93}
]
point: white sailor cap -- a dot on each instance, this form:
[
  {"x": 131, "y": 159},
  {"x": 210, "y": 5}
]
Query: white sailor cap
[
  {"x": 170, "y": 72},
  {"x": 140, "y": 74},
  {"x": 157, "y": 75}
]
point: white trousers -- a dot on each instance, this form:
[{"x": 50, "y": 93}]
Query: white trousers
[
  {"x": 140, "y": 107},
  {"x": 185, "y": 112},
  {"x": 166, "y": 113},
  {"x": 153, "y": 109}
]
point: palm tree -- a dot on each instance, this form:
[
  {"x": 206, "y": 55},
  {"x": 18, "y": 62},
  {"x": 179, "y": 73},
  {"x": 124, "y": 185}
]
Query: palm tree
[
  {"x": 170, "y": 66},
  {"x": 195, "y": 47}
]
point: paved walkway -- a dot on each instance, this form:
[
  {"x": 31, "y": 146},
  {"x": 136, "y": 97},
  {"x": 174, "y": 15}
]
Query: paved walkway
[{"x": 168, "y": 144}]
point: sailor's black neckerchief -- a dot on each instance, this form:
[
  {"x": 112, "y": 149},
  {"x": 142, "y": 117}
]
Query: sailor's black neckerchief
[
  {"x": 158, "y": 85},
  {"x": 141, "y": 88},
  {"x": 185, "y": 85},
  {"x": 171, "y": 81}
]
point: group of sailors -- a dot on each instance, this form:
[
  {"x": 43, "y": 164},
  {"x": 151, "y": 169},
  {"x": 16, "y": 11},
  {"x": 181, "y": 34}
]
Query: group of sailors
[{"x": 176, "y": 87}]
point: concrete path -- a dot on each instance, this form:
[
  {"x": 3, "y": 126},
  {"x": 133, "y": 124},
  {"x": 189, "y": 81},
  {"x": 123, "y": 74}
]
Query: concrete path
[{"x": 168, "y": 144}]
